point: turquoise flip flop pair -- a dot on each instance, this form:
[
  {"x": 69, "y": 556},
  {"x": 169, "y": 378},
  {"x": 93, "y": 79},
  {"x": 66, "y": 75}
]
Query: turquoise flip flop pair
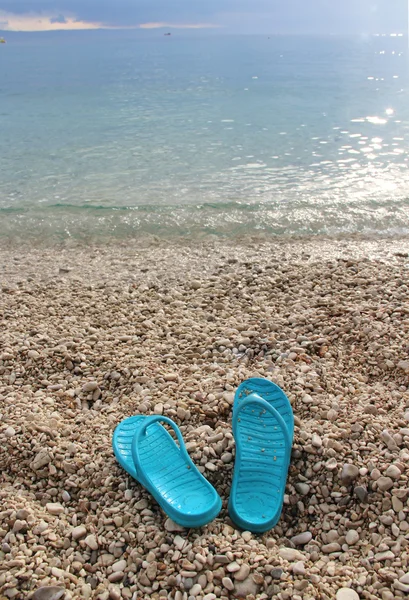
[{"x": 263, "y": 428}]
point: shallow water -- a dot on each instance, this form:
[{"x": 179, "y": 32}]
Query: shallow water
[{"x": 107, "y": 134}]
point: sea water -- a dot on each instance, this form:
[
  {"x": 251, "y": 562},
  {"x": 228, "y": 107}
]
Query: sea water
[{"x": 107, "y": 135}]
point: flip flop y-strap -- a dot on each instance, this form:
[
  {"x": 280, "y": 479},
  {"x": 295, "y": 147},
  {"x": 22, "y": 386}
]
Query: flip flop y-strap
[{"x": 142, "y": 432}]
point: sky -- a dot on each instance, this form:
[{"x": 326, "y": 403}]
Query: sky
[{"x": 228, "y": 16}]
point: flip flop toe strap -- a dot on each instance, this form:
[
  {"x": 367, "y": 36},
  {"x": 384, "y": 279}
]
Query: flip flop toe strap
[{"x": 142, "y": 432}]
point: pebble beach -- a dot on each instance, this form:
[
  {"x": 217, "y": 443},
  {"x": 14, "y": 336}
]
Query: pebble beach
[{"x": 92, "y": 335}]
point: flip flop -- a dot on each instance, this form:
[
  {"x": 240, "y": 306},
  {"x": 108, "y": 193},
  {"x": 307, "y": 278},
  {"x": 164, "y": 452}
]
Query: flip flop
[
  {"x": 263, "y": 451},
  {"x": 145, "y": 449},
  {"x": 271, "y": 393}
]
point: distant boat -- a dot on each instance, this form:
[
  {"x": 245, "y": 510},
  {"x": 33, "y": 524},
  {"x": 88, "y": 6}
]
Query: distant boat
[
  {"x": 167, "y": 34},
  {"x": 3, "y": 41}
]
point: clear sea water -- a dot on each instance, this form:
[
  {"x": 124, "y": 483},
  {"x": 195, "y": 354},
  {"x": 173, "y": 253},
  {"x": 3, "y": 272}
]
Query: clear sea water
[{"x": 110, "y": 134}]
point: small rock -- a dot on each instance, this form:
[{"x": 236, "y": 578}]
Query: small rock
[
  {"x": 78, "y": 532},
  {"x": 158, "y": 409},
  {"x": 302, "y": 488},
  {"x": 346, "y": 594},
  {"x": 276, "y": 573},
  {"x": 330, "y": 548},
  {"x": 171, "y": 377},
  {"x": 246, "y": 587},
  {"x": 299, "y": 568},
  {"x": 348, "y": 474},
  {"x": 387, "y": 555},
  {"x": 141, "y": 504},
  {"x": 331, "y": 464},
  {"x": 302, "y": 538},
  {"x": 397, "y": 504},
  {"x": 172, "y": 526},
  {"x": 361, "y": 493},
  {"x": 91, "y": 541},
  {"x": 119, "y": 566},
  {"x": 179, "y": 542},
  {"x": 228, "y": 584},
  {"x": 114, "y": 593},
  {"x": 404, "y": 578},
  {"x": 404, "y": 365},
  {"x": 195, "y": 590},
  {"x": 393, "y": 471},
  {"x": 10, "y": 432},
  {"x": 316, "y": 441},
  {"x": 233, "y": 567},
  {"x": 48, "y": 593},
  {"x": 352, "y": 537},
  {"x": 384, "y": 483},
  {"x": 242, "y": 573},
  {"x": 227, "y": 457},
  {"x": 33, "y": 354},
  {"x": 290, "y": 554},
  {"x": 54, "y": 508},
  {"x": 65, "y": 496},
  {"x": 40, "y": 460},
  {"x": 90, "y": 386}
]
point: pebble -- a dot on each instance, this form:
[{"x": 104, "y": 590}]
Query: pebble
[
  {"x": 361, "y": 493},
  {"x": 302, "y": 538},
  {"x": 172, "y": 526},
  {"x": 233, "y": 567},
  {"x": 65, "y": 496},
  {"x": 118, "y": 566},
  {"x": 276, "y": 573},
  {"x": 302, "y": 488},
  {"x": 242, "y": 573},
  {"x": 346, "y": 594},
  {"x": 352, "y": 537},
  {"x": 41, "y": 460},
  {"x": 54, "y": 508},
  {"x": 90, "y": 386},
  {"x": 228, "y": 584},
  {"x": 384, "y": 483},
  {"x": 51, "y": 592},
  {"x": 78, "y": 532},
  {"x": 393, "y": 471},
  {"x": 330, "y": 548},
  {"x": 179, "y": 542},
  {"x": 349, "y": 473},
  {"x": 298, "y": 568},
  {"x": 91, "y": 541},
  {"x": 316, "y": 441},
  {"x": 10, "y": 432},
  {"x": 195, "y": 590},
  {"x": 290, "y": 554}
]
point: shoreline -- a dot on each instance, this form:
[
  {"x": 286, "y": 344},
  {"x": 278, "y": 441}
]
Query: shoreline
[{"x": 174, "y": 328}]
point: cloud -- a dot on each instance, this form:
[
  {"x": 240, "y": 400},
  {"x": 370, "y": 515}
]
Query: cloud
[
  {"x": 59, "y": 19},
  {"x": 161, "y": 25},
  {"x": 42, "y": 22}
]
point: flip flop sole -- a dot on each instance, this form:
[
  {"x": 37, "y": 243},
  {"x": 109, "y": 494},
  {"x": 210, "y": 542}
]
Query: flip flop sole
[
  {"x": 146, "y": 450},
  {"x": 271, "y": 393},
  {"x": 263, "y": 449}
]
